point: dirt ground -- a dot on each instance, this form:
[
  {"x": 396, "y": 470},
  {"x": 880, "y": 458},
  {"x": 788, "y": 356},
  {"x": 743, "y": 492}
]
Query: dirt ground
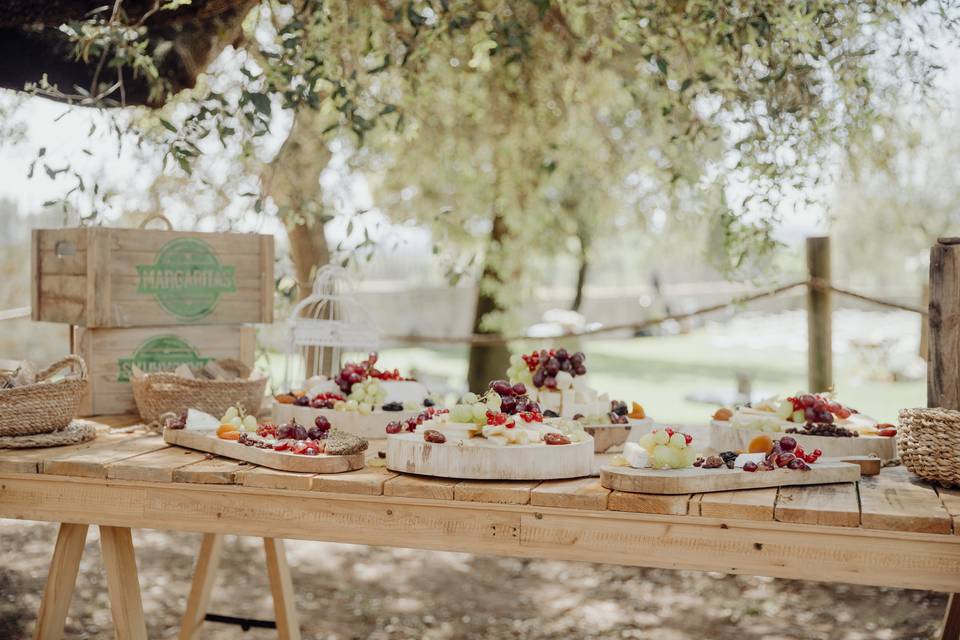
[{"x": 352, "y": 592}]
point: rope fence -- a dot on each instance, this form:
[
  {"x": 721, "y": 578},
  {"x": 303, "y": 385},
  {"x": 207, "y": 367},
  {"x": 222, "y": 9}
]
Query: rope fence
[{"x": 481, "y": 339}]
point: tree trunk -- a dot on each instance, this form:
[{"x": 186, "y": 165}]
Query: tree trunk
[
  {"x": 581, "y": 274},
  {"x": 487, "y": 362},
  {"x": 293, "y": 181}
]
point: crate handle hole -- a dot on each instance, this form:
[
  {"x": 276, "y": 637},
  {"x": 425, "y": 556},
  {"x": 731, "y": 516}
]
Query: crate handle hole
[{"x": 65, "y": 248}]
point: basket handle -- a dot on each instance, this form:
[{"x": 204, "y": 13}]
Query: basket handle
[
  {"x": 156, "y": 216},
  {"x": 73, "y": 361}
]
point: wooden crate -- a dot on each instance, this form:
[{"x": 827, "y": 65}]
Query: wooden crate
[
  {"x": 102, "y": 277},
  {"x": 111, "y": 353}
]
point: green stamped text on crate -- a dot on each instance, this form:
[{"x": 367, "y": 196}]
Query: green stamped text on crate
[
  {"x": 186, "y": 279},
  {"x": 162, "y": 353}
]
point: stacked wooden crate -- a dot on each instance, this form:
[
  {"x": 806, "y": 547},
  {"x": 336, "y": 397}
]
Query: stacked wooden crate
[{"x": 152, "y": 299}]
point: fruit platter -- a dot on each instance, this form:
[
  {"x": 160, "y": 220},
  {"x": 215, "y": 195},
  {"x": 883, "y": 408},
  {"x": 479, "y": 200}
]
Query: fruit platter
[
  {"x": 361, "y": 399},
  {"x": 816, "y": 421},
  {"x": 665, "y": 461},
  {"x": 490, "y": 437},
  {"x": 287, "y": 447},
  {"x": 557, "y": 380}
]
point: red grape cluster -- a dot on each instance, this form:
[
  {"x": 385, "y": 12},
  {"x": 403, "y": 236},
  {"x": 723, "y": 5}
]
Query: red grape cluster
[
  {"x": 410, "y": 424},
  {"x": 513, "y": 397},
  {"x": 498, "y": 418},
  {"x": 354, "y": 372},
  {"x": 545, "y": 365},
  {"x": 818, "y": 409},
  {"x": 326, "y": 400}
]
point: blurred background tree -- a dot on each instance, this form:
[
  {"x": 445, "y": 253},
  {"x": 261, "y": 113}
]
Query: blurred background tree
[{"x": 510, "y": 128}]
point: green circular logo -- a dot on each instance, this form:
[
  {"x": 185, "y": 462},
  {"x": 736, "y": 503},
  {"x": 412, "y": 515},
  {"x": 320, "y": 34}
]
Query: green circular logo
[
  {"x": 186, "y": 279},
  {"x": 160, "y": 353}
]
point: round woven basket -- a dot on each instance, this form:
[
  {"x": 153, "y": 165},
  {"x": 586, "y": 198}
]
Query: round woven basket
[
  {"x": 43, "y": 407},
  {"x": 164, "y": 392},
  {"x": 929, "y": 444}
]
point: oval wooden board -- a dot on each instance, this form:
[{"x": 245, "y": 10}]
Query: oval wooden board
[
  {"x": 694, "y": 480},
  {"x": 408, "y": 453},
  {"x": 371, "y": 426},
  {"x": 725, "y": 438},
  {"x": 209, "y": 442}
]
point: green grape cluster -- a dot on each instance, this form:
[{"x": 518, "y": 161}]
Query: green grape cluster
[
  {"x": 473, "y": 408},
  {"x": 519, "y": 371}
]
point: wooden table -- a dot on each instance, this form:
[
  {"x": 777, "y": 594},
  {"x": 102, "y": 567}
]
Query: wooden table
[{"x": 889, "y": 530}]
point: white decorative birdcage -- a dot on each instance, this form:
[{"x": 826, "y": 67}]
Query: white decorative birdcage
[{"x": 326, "y": 324}]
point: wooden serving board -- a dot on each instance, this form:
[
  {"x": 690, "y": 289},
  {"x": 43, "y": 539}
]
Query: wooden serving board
[
  {"x": 723, "y": 437},
  {"x": 209, "y": 442},
  {"x": 409, "y": 453},
  {"x": 371, "y": 426},
  {"x": 694, "y": 480}
]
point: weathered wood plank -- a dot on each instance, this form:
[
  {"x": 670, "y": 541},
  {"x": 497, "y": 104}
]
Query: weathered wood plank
[
  {"x": 819, "y": 330},
  {"x": 405, "y": 486},
  {"x": 752, "y": 504},
  {"x": 368, "y": 481},
  {"x": 155, "y": 466},
  {"x": 211, "y": 471},
  {"x": 669, "y": 505},
  {"x": 92, "y": 462},
  {"x": 902, "y": 504},
  {"x": 272, "y": 479},
  {"x": 951, "y": 502},
  {"x": 30, "y": 460},
  {"x": 832, "y": 505},
  {"x": 943, "y": 376},
  {"x": 495, "y": 491},
  {"x": 580, "y": 493}
]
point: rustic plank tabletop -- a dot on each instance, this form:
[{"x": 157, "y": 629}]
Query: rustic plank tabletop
[{"x": 886, "y": 530}]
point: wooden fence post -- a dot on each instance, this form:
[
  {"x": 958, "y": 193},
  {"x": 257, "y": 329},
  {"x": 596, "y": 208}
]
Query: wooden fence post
[
  {"x": 819, "y": 332},
  {"x": 943, "y": 377}
]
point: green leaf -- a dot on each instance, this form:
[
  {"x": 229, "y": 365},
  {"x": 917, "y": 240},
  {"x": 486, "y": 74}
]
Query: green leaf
[
  {"x": 261, "y": 102},
  {"x": 168, "y": 125}
]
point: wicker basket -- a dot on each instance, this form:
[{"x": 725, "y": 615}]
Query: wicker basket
[
  {"x": 164, "y": 392},
  {"x": 929, "y": 444},
  {"x": 43, "y": 407}
]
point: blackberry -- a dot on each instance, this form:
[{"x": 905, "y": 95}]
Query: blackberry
[{"x": 393, "y": 406}]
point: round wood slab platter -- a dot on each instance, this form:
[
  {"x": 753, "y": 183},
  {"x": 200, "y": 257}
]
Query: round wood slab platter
[
  {"x": 694, "y": 480},
  {"x": 408, "y": 453},
  {"x": 371, "y": 426},
  {"x": 723, "y": 437},
  {"x": 209, "y": 442}
]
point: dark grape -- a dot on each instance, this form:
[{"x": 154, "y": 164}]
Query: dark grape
[
  {"x": 285, "y": 431},
  {"x": 552, "y": 367},
  {"x": 580, "y": 370},
  {"x": 302, "y": 401},
  {"x": 393, "y": 406},
  {"x": 501, "y": 387},
  {"x": 321, "y": 422},
  {"x": 519, "y": 389},
  {"x": 299, "y": 432},
  {"x": 807, "y": 400},
  {"x": 428, "y": 402},
  {"x": 787, "y": 443},
  {"x": 566, "y": 366},
  {"x": 550, "y": 382},
  {"x": 538, "y": 377}
]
